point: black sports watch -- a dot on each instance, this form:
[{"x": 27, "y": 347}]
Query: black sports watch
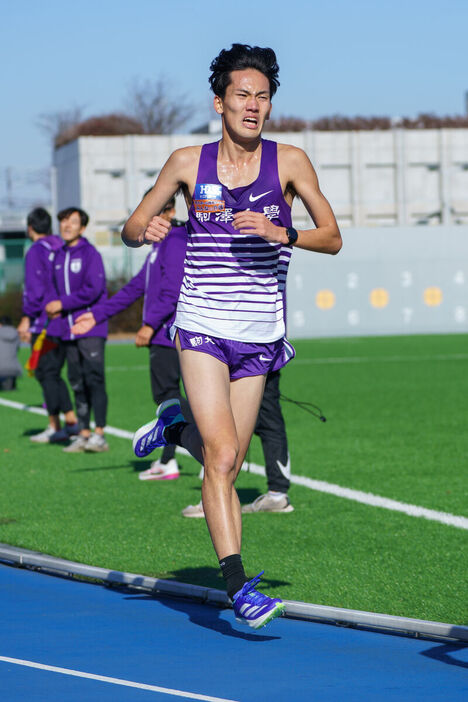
[{"x": 292, "y": 235}]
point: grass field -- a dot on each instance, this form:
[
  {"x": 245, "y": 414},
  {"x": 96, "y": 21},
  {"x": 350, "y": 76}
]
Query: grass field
[{"x": 397, "y": 410}]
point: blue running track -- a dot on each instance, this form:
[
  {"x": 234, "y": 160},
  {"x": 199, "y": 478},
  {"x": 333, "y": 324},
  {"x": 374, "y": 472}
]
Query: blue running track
[{"x": 90, "y": 642}]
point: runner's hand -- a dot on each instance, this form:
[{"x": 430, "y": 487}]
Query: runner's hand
[
  {"x": 249, "y": 222},
  {"x": 157, "y": 230}
]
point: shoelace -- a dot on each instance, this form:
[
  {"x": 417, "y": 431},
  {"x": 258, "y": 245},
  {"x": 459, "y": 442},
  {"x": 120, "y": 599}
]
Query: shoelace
[{"x": 249, "y": 589}]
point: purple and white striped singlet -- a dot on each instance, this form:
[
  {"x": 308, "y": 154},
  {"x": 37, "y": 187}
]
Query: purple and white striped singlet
[{"x": 234, "y": 283}]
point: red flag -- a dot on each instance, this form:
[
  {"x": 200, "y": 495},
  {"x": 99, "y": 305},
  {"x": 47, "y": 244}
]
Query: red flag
[{"x": 41, "y": 346}]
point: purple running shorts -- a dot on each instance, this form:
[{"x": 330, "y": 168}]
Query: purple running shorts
[{"x": 242, "y": 358}]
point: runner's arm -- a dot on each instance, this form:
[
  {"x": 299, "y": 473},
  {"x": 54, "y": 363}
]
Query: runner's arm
[
  {"x": 145, "y": 225},
  {"x": 326, "y": 237},
  {"x": 297, "y": 172}
]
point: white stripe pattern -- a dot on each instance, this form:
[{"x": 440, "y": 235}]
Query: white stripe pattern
[{"x": 233, "y": 287}]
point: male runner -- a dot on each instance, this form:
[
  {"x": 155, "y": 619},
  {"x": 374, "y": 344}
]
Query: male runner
[
  {"x": 229, "y": 325},
  {"x": 38, "y": 283}
]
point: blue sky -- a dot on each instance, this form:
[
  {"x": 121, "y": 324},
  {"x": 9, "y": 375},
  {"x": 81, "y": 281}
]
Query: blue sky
[{"x": 345, "y": 57}]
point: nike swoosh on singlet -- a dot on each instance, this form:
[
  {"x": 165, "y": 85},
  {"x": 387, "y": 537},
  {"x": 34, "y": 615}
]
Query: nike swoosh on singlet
[{"x": 253, "y": 198}]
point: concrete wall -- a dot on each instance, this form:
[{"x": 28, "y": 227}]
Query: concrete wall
[
  {"x": 392, "y": 277},
  {"x": 384, "y": 281},
  {"x": 392, "y": 280},
  {"x": 376, "y": 178}
]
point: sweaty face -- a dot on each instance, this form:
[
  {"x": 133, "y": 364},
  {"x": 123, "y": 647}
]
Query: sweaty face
[
  {"x": 71, "y": 228},
  {"x": 246, "y": 104}
]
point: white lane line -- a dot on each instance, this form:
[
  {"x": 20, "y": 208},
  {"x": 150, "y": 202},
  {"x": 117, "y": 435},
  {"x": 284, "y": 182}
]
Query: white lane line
[
  {"x": 114, "y": 681},
  {"x": 366, "y": 498},
  {"x": 381, "y": 359}
]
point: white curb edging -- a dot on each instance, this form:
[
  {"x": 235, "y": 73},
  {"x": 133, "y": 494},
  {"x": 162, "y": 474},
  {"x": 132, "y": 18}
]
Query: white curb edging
[{"x": 299, "y": 610}]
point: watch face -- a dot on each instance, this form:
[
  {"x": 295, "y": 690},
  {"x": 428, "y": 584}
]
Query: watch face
[{"x": 292, "y": 235}]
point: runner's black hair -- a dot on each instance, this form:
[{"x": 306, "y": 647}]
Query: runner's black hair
[{"x": 238, "y": 58}]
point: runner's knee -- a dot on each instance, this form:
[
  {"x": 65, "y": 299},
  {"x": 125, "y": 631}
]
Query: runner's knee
[{"x": 220, "y": 460}]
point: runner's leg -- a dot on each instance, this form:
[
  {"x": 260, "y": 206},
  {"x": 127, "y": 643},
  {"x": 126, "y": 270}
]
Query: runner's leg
[{"x": 210, "y": 394}]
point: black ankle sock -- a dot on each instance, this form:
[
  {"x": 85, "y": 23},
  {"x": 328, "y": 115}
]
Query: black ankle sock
[
  {"x": 233, "y": 573},
  {"x": 173, "y": 432}
]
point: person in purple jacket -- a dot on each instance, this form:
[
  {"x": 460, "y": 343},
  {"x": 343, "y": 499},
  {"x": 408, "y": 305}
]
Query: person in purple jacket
[
  {"x": 38, "y": 282},
  {"x": 80, "y": 281},
  {"x": 159, "y": 280}
]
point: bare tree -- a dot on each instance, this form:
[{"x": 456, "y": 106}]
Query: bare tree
[
  {"x": 338, "y": 123},
  {"x": 154, "y": 105},
  {"x": 54, "y": 124},
  {"x": 287, "y": 124},
  {"x": 101, "y": 125}
]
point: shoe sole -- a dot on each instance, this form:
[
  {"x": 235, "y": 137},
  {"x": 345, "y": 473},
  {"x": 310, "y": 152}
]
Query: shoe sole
[
  {"x": 96, "y": 450},
  {"x": 139, "y": 435},
  {"x": 289, "y": 508},
  {"x": 261, "y": 622},
  {"x": 194, "y": 516},
  {"x": 170, "y": 476}
]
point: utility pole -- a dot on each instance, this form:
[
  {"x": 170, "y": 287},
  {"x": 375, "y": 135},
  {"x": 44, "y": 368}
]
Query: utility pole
[{"x": 9, "y": 188}]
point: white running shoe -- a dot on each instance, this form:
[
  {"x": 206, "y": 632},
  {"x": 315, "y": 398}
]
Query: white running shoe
[
  {"x": 77, "y": 445},
  {"x": 161, "y": 471},
  {"x": 196, "y": 511},
  {"x": 96, "y": 444},
  {"x": 43, "y": 437},
  {"x": 268, "y": 503}
]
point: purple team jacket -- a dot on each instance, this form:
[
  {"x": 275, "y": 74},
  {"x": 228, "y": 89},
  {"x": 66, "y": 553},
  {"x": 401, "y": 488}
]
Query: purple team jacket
[
  {"x": 38, "y": 279},
  {"x": 80, "y": 282},
  {"x": 159, "y": 280}
]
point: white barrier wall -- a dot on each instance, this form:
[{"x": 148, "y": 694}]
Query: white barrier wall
[
  {"x": 394, "y": 177},
  {"x": 384, "y": 281},
  {"x": 387, "y": 280}
]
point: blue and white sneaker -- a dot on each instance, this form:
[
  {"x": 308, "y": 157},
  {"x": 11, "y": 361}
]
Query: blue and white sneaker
[
  {"x": 150, "y": 436},
  {"x": 254, "y": 608}
]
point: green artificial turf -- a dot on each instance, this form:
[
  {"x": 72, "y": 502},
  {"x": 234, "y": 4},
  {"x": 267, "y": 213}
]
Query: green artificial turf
[{"x": 396, "y": 411}]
